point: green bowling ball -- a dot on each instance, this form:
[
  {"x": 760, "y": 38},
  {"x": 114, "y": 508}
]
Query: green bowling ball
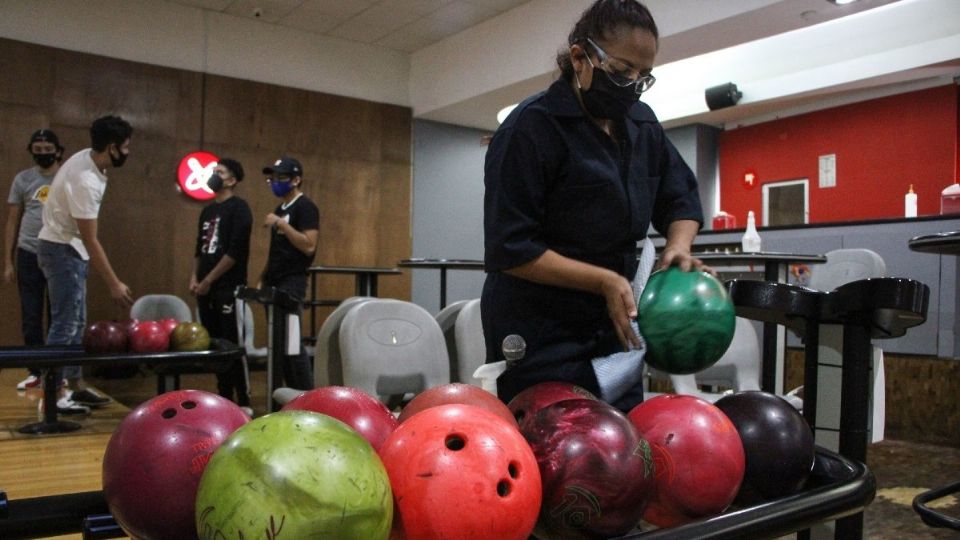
[
  {"x": 295, "y": 474},
  {"x": 189, "y": 336},
  {"x": 686, "y": 319}
]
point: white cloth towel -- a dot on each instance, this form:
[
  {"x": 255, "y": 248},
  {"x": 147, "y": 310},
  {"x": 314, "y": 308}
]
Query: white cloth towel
[{"x": 621, "y": 371}]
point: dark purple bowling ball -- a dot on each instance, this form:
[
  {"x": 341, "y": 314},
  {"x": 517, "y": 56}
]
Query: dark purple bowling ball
[
  {"x": 103, "y": 337},
  {"x": 777, "y": 444},
  {"x": 597, "y": 472}
]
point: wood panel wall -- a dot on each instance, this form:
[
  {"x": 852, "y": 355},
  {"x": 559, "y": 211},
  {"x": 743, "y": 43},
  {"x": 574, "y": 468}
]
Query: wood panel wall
[{"x": 356, "y": 157}]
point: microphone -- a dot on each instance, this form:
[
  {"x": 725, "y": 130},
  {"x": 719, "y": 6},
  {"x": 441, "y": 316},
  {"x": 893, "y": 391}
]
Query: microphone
[{"x": 514, "y": 348}]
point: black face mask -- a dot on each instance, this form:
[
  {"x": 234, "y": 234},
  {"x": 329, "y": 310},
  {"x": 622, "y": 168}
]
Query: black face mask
[
  {"x": 606, "y": 100},
  {"x": 215, "y": 183},
  {"x": 118, "y": 162},
  {"x": 45, "y": 161}
]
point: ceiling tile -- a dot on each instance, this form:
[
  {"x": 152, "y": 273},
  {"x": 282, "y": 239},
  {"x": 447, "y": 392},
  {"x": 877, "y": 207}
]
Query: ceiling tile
[
  {"x": 453, "y": 18},
  {"x": 270, "y": 10},
  {"x": 497, "y": 5},
  {"x": 419, "y": 7},
  {"x": 407, "y": 39},
  {"x": 337, "y": 9},
  {"x": 373, "y": 24},
  {"x": 213, "y": 5}
]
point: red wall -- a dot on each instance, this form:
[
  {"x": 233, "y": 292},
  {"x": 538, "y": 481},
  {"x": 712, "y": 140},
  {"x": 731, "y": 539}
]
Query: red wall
[{"x": 882, "y": 146}]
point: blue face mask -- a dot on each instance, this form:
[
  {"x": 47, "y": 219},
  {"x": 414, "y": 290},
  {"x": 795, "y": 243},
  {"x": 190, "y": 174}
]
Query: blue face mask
[{"x": 280, "y": 189}]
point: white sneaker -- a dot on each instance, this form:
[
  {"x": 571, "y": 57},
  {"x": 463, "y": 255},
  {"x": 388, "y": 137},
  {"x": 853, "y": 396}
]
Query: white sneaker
[{"x": 65, "y": 405}]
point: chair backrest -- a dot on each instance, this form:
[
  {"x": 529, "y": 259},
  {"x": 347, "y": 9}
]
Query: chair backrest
[
  {"x": 471, "y": 347},
  {"x": 844, "y": 266},
  {"x": 447, "y": 319},
  {"x": 392, "y": 347},
  {"x": 154, "y": 307},
  {"x": 739, "y": 367},
  {"x": 327, "y": 360},
  {"x": 249, "y": 329}
]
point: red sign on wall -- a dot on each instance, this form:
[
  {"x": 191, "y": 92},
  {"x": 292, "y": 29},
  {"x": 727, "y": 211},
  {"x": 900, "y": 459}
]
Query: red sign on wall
[{"x": 194, "y": 171}]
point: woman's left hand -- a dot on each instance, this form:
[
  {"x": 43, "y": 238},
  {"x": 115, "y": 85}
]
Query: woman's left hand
[{"x": 674, "y": 256}]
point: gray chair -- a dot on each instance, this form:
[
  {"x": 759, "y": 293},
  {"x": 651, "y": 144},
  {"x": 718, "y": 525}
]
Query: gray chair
[
  {"x": 392, "y": 348},
  {"x": 844, "y": 266},
  {"x": 471, "y": 347},
  {"x": 327, "y": 360},
  {"x": 447, "y": 319},
  {"x": 154, "y": 307}
]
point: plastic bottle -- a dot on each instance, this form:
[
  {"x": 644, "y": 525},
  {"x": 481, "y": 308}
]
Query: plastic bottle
[
  {"x": 910, "y": 203},
  {"x": 751, "y": 238}
]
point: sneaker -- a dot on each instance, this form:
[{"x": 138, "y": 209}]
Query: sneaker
[
  {"x": 89, "y": 398},
  {"x": 30, "y": 382},
  {"x": 247, "y": 411},
  {"x": 65, "y": 405},
  {"x": 35, "y": 382}
]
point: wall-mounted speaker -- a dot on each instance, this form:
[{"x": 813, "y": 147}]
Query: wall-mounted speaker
[{"x": 722, "y": 96}]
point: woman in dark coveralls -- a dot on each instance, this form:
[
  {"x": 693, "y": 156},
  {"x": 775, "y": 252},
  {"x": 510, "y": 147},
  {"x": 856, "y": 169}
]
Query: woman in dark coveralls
[{"x": 574, "y": 177}]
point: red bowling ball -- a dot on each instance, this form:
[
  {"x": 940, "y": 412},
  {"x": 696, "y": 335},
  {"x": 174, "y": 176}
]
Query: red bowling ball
[
  {"x": 538, "y": 396},
  {"x": 458, "y": 471},
  {"x": 597, "y": 472},
  {"x": 698, "y": 455},
  {"x": 155, "y": 457},
  {"x": 105, "y": 337},
  {"x": 148, "y": 337},
  {"x": 777, "y": 442},
  {"x": 359, "y": 410},
  {"x": 168, "y": 325},
  {"x": 447, "y": 394}
]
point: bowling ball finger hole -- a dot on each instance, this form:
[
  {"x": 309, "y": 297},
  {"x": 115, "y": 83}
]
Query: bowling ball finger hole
[
  {"x": 168, "y": 413},
  {"x": 455, "y": 442},
  {"x": 189, "y": 405},
  {"x": 513, "y": 469},
  {"x": 503, "y": 488}
]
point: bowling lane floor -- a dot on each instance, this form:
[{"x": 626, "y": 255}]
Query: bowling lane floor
[{"x": 32, "y": 466}]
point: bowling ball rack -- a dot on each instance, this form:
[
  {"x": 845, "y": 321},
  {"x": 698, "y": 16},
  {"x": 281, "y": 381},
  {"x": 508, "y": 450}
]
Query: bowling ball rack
[
  {"x": 48, "y": 357},
  {"x": 837, "y": 487},
  {"x": 930, "y": 516}
]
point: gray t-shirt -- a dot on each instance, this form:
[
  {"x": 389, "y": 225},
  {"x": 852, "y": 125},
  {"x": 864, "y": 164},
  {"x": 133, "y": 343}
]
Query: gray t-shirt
[{"x": 30, "y": 190}]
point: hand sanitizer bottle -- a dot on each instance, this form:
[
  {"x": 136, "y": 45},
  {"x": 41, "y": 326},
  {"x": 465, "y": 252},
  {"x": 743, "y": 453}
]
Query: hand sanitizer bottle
[
  {"x": 751, "y": 238},
  {"x": 910, "y": 203}
]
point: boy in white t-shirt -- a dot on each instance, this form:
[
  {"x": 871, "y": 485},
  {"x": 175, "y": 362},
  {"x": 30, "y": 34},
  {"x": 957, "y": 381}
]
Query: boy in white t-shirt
[{"x": 69, "y": 244}]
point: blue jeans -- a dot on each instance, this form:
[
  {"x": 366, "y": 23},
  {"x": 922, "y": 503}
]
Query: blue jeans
[
  {"x": 32, "y": 286},
  {"x": 66, "y": 275}
]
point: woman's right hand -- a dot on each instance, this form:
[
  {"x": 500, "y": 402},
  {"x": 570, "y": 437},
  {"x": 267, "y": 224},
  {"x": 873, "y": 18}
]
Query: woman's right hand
[{"x": 621, "y": 307}]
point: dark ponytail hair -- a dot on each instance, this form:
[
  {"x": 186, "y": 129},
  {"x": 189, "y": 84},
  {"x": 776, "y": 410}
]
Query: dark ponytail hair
[{"x": 602, "y": 19}]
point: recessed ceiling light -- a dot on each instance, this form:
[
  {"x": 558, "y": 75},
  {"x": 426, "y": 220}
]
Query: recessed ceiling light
[{"x": 842, "y": 2}]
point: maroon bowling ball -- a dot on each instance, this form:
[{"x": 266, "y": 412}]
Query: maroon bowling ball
[
  {"x": 104, "y": 337},
  {"x": 155, "y": 457},
  {"x": 597, "y": 472},
  {"x": 149, "y": 337},
  {"x": 777, "y": 443},
  {"x": 352, "y": 406},
  {"x": 448, "y": 394},
  {"x": 698, "y": 455},
  {"x": 538, "y": 396}
]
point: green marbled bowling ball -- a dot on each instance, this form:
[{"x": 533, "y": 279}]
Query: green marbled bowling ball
[
  {"x": 686, "y": 319},
  {"x": 295, "y": 474}
]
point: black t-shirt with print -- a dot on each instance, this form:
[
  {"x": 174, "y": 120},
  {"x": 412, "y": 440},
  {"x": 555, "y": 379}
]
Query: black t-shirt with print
[
  {"x": 285, "y": 259},
  {"x": 224, "y": 230}
]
